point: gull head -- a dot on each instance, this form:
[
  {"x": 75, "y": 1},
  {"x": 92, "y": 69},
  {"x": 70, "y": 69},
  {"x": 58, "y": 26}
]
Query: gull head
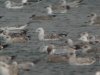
[
  {"x": 86, "y": 47},
  {"x": 84, "y": 37},
  {"x": 50, "y": 49},
  {"x": 70, "y": 42},
  {"x": 84, "y": 34},
  {"x": 72, "y": 53},
  {"x": 40, "y": 30},
  {"x": 24, "y": 1},
  {"x": 8, "y": 3},
  {"x": 49, "y": 10},
  {"x": 92, "y": 15}
]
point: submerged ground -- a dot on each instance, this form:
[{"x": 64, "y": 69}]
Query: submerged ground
[{"x": 74, "y": 22}]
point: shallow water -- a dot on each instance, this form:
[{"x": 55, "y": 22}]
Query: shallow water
[{"x": 74, "y": 22}]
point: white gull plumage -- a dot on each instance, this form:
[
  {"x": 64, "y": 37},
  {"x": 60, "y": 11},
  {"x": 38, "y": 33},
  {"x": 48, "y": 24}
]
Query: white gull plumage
[
  {"x": 12, "y": 5},
  {"x": 97, "y": 73},
  {"x": 46, "y": 37},
  {"x": 84, "y": 37}
]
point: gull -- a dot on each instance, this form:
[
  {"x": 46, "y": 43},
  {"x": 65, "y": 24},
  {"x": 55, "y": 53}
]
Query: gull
[
  {"x": 97, "y": 73},
  {"x": 57, "y": 8},
  {"x": 87, "y": 38},
  {"x": 60, "y": 9},
  {"x": 14, "y": 28},
  {"x": 94, "y": 39},
  {"x": 18, "y": 39},
  {"x": 12, "y": 5},
  {"x": 8, "y": 69},
  {"x": 59, "y": 50},
  {"x": 26, "y": 66},
  {"x": 84, "y": 49},
  {"x": 14, "y": 37},
  {"x": 80, "y": 61},
  {"x": 13, "y": 68},
  {"x": 76, "y": 45},
  {"x": 46, "y": 37},
  {"x": 95, "y": 19},
  {"x": 64, "y": 49},
  {"x": 5, "y": 59}
]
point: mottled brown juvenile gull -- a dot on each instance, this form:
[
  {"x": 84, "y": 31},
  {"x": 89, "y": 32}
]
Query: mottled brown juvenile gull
[{"x": 46, "y": 37}]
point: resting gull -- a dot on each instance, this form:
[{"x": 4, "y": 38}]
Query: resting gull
[
  {"x": 12, "y": 5},
  {"x": 80, "y": 61},
  {"x": 95, "y": 19},
  {"x": 14, "y": 28},
  {"x": 46, "y": 37}
]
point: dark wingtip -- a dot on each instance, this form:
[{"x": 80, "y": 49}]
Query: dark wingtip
[
  {"x": 1, "y": 31},
  {"x": 32, "y": 16},
  {"x": 54, "y": 15},
  {"x": 1, "y": 16},
  {"x": 68, "y": 7},
  {"x": 36, "y": 61},
  {"x": 6, "y": 45},
  {"x": 29, "y": 37},
  {"x": 13, "y": 57}
]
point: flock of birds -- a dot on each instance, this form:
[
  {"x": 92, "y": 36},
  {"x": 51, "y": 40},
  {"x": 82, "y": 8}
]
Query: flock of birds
[{"x": 67, "y": 52}]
